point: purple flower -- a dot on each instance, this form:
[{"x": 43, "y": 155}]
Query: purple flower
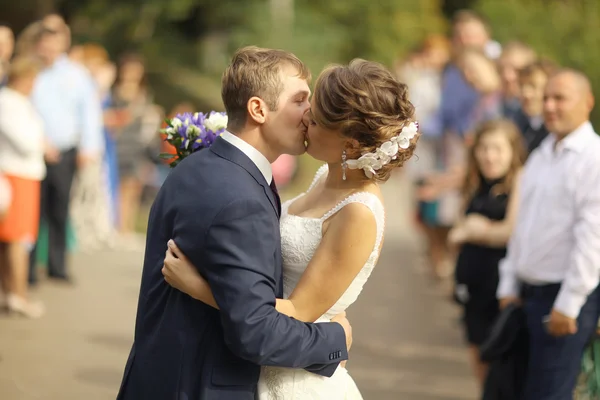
[{"x": 190, "y": 132}]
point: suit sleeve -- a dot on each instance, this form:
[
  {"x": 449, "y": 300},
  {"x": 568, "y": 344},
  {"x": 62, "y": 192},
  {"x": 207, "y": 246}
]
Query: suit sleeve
[{"x": 238, "y": 261}]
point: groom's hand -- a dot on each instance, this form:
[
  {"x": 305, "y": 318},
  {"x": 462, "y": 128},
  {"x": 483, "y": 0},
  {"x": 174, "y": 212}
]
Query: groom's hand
[{"x": 343, "y": 321}]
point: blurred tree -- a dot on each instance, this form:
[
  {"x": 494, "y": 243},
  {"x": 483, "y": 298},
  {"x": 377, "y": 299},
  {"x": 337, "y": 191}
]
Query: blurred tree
[
  {"x": 194, "y": 38},
  {"x": 381, "y": 31}
]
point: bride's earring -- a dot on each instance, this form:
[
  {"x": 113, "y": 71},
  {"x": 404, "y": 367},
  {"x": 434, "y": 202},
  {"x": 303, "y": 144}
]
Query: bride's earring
[{"x": 344, "y": 165}]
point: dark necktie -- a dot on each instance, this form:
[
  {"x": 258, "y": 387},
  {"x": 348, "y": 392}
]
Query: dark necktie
[{"x": 276, "y": 194}]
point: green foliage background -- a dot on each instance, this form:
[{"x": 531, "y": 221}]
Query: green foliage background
[{"x": 187, "y": 43}]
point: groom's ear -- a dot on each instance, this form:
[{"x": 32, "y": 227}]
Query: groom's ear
[{"x": 257, "y": 110}]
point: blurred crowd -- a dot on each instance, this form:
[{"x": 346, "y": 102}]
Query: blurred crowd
[
  {"x": 78, "y": 175},
  {"x": 457, "y": 84},
  {"x": 504, "y": 172},
  {"x": 79, "y": 148},
  {"x": 89, "y": 165}
]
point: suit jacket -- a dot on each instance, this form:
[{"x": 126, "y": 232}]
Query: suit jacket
[
  {"x": 507, "y": 351},
  {"x": 221, "y": 212}
]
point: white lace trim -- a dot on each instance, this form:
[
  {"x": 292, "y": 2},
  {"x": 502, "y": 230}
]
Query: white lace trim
[
  {"x": 323, "y": 169},
  {"x": 369, "y": 200}
]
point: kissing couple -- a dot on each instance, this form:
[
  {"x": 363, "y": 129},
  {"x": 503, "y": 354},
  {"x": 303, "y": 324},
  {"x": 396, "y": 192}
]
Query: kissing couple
[{"x": 243, "y": 297}]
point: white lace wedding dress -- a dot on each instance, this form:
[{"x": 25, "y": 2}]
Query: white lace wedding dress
[{"x": 300, "y": 237}]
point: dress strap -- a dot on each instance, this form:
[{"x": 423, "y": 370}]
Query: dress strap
[
  {"x": 320, "y": 172},
  {"x": 369, "y": 200},
  {"x": 318, "y": 175}
]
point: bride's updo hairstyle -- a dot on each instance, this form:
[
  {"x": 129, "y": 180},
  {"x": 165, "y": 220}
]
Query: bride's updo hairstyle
[{"x": 367, "y": 104}]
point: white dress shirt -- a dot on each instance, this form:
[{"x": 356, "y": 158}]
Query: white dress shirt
[
  {"x": 557, "y": 233},
  {"x": 21, "y": 137},
  {"x": 261, "y": 162}
]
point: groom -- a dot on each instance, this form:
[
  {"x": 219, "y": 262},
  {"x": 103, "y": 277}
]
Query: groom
[{"x": 222, "y": 209}]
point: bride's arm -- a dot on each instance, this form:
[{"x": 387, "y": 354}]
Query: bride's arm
[
  {"x": 345, "y": 248},
  {"x": 182, "y": 275},
  {"x": 346, "y": 245}
]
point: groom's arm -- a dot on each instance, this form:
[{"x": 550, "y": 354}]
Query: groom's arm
[{"x": 238, "y": 261}]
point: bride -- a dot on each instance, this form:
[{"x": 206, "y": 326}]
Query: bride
[{"x": 361, "y": 125}]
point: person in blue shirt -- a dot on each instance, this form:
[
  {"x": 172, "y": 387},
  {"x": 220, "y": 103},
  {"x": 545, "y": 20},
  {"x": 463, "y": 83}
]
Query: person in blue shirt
[{"x": 65, "y": 97}]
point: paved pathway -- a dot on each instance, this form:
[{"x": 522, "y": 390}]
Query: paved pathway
[{"x": 407, "y": 341}]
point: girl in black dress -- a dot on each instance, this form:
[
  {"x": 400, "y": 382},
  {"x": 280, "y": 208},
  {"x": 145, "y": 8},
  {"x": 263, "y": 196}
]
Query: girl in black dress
[{"x": 490, "y": 195}]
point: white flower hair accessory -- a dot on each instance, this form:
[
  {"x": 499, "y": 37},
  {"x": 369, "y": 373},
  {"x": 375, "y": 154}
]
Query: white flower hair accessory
[{"x": 372, "y": 162}]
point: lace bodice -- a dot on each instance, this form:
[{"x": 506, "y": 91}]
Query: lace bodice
[{"x": 300, "y": 237}]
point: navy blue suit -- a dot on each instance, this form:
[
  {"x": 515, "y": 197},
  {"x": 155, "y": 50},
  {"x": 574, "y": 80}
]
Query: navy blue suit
[{"x": 221, "y": 212}]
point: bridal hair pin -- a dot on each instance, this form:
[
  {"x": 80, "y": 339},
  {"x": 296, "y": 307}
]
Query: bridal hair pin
[{"x": 384, "y": 154}]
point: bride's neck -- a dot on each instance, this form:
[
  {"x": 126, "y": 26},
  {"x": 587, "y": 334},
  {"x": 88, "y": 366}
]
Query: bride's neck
[{"x": 354, "y": 177}]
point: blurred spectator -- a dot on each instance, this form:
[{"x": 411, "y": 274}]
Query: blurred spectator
[
  {"x": 481, "y": 73},
  {"x": 76, "y": 54},
  {"x": 490, "y": 210},
  {"x": 552, "y": 266},
  {"x": 57, "y": 23},
  {"x": 515, "y": 56},
  {"x": 7, "y": 42},
  {"x": 25, "y": 44},
  {"x": 422, "y": 72},
  {"x": 22, "y": 162},
  {"x": 96, "y": 60},
  {"x": 91, "y": 198},
  {"x": 423, "y": 75},
  {"x": 439, "y": 197},
  {"x": 470, "y": 31},
  {"x": 7, "y": 45},
  {"x": 67, "y": 100},
  {"x": 5, "y": 197},
  {"x": 533, "y": 79},
  {"x": 130, "y": 106}
]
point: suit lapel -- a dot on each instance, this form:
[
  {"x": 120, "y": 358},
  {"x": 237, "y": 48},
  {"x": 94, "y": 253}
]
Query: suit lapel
[{"x": 226, "y": 150}]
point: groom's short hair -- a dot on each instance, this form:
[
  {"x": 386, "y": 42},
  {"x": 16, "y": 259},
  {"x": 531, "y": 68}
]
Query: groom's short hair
[{"x": 254, "y": 71}]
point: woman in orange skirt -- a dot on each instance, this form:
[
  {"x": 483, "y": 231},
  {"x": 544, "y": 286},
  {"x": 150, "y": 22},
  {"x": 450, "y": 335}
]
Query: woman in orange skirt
[
  {"x": 22, "y": 219},
  {"x": 22, "y": 164}
]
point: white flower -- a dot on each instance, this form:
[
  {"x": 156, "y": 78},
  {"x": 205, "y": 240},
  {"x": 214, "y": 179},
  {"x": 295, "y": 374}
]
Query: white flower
[
  {"x": 409, "y": 131},
  {"x": 170, "y": 132},
  {"x": 369, "y": 163},
  {"x": 403, "y": 142},
  {"x": 215, "y": 122},
  {"x": 192, "y": 132},
  {"x": 176, "y": 122},
  {"x": 387, "y": 152}
]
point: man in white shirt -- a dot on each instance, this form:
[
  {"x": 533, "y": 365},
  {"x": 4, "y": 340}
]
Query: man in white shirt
[{"x": 553, "y": 260}]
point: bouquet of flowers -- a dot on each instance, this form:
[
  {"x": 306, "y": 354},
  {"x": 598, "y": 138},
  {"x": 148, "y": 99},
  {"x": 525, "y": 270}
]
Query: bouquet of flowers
[{"x": 190, "y": 132}]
